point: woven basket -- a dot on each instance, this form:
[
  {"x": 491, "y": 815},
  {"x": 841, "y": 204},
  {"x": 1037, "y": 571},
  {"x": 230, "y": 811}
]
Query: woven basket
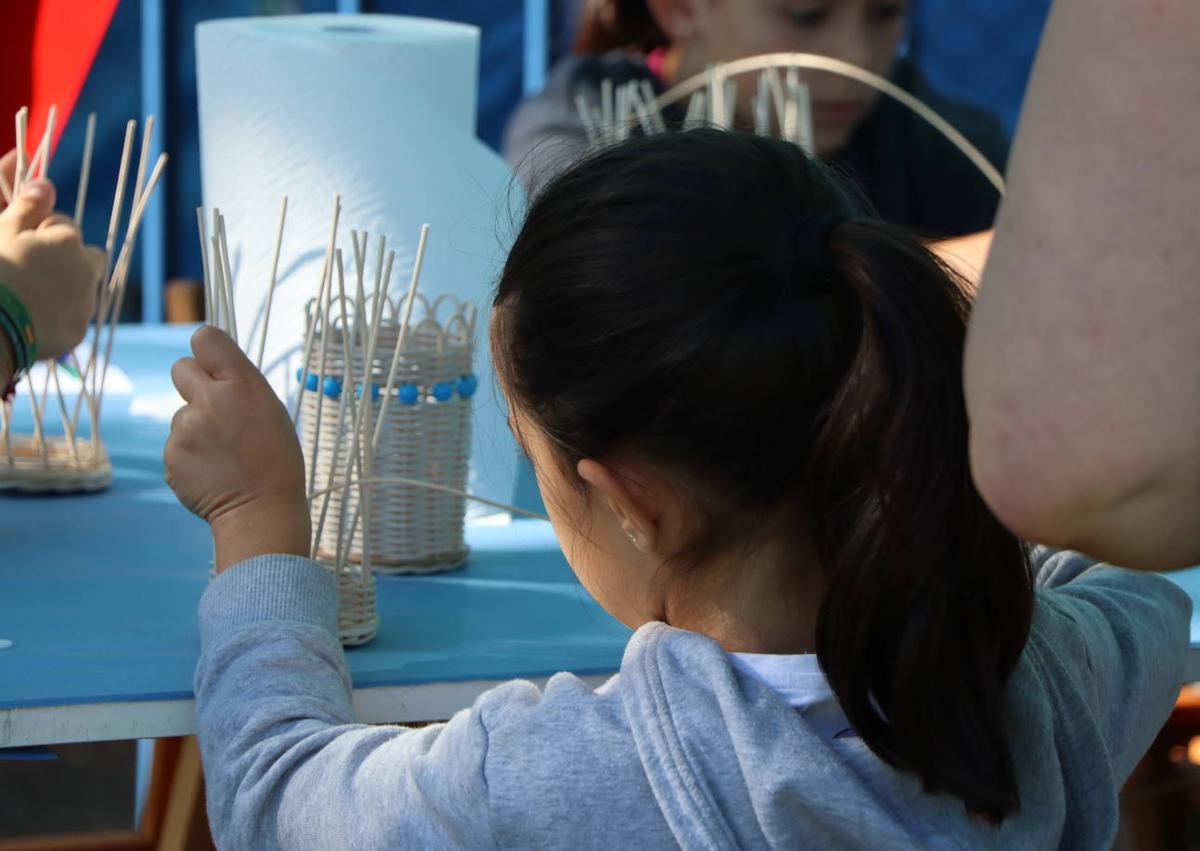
[
  {"x": 61, "y": 468},
  {"x": 425, "y": 437}
]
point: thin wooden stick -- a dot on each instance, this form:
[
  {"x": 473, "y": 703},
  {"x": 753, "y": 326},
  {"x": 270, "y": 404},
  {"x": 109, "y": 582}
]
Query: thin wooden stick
[
  {"x": 262, "y": 342},
  {"x": 585, "y": 117},
  {"x": 606, "y": 110},
  {"x": 221, "y": 312},
  {"x": 45, "y": 393},
  {"x": 22, "y": 127},
  {"x": 401, "y": 337},
  {"x": 421, "y": 483},
  {"x": 347, "y": 387},
  {"x": 696, "y": 109},
  {"x": 121, "y": 278},
  {"x": 326, "y": 273},
  {"x": 119, "y": 197},
  {"x": 320, "y": 391},
  {"x": 360, "y": 261},
  {"x": 62, "y": 410},
  {"x": 227, "y": 279},
  {"x": 92, "y": 367},
  {"x": 366, "y": 462},
  {"x": 5, "y": 189},
  {"x": 83, "y": 391},
  {"x": 43, "y": 152},
  {"x": 85, "y": 169},
  {"x": 143, "y": 158},
  {"x": 209, "y": 315},
  {"x": 355, "y": 408},
  {"x": 762, "y": 106},
  {"x": 38, "y": 435}
]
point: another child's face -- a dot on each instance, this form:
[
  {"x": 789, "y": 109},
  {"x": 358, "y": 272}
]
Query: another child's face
[{"x": 866, "y": 33}]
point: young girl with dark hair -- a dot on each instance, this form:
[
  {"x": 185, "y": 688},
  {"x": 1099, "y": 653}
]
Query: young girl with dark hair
[
  {"x": 743, "y": 401},
  {"x": 909, "y": 172}
]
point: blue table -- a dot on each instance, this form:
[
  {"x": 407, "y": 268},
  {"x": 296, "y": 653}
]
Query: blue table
[{"x": 98, "y": 597}]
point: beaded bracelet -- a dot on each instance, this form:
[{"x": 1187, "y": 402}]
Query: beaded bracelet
[{"x": 16, "y": 324}]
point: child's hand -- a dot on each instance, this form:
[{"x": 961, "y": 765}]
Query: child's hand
[
  {"x": 233, "y": 457},
  {"x": 44, "y": 262}
]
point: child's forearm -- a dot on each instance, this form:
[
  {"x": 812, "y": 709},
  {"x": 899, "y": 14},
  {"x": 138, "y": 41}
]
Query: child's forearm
[
  {"x": 1082, "y": 380},
  {"x": 238, "y": 536},
  {"x": 286, "y": 765}
]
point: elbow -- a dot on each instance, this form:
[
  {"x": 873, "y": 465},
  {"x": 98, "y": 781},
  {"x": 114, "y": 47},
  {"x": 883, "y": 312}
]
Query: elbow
[
  {"x": 1048, "y": 494},
  {"x": 1021, "y": 486}
]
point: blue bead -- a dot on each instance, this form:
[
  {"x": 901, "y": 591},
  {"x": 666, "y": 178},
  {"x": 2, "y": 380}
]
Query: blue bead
[
  {"x": 409, "y": 394},
  {"x": 467, "y": 385},
  {"x": 332, "y": 387},
  {"x": 443, "y": 391},
  {"x": 312, "y": 382},
  {"x": 358, "y": 392}
]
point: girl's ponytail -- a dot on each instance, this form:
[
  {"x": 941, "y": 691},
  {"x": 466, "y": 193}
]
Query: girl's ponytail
[
  {"x": 606, "y": 25},
  {"x": 929, "y": 598}
]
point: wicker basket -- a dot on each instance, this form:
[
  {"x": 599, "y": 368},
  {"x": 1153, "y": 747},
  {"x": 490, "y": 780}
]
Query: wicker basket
[
  {"x": 62, "y": 467},
  {"x": 425, "y": 437}
]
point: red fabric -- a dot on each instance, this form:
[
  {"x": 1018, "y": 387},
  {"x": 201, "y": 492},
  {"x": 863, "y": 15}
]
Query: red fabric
[{"x": 49, "y": 48}]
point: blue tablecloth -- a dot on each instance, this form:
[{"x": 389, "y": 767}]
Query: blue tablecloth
[{"x": 98, "y": 593}]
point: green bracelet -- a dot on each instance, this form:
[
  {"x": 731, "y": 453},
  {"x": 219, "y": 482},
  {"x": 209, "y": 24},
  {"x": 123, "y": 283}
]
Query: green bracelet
[{"x": 18, "y": 327}]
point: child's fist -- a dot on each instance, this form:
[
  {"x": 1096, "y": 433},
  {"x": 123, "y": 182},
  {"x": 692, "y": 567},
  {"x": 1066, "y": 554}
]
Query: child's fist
[
  {"x": 44, "y": 262},
  {"x": 233, "y": 457}
]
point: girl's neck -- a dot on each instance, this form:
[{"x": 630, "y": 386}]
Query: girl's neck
[{"x": 763, "y": 601}]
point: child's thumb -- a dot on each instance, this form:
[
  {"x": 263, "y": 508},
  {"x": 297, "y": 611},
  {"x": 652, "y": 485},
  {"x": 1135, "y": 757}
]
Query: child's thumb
[
  {"x": 30, "y": 208},
  {"x": 218, "y": 354}
]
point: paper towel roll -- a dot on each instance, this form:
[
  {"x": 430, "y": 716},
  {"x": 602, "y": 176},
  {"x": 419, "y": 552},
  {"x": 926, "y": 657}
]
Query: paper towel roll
[{"x": 381, "y": 110}]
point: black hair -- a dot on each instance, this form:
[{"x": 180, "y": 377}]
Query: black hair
[{"x": 720, "y": 305}]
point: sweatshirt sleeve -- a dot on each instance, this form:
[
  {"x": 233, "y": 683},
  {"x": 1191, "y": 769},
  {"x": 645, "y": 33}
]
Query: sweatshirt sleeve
[
  {"x": 1134, "y": 631},
  {"x": 285, "y": 764}
]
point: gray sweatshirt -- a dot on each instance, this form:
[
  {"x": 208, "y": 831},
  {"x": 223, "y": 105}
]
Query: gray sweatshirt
[{"x": 677, "y": 750}]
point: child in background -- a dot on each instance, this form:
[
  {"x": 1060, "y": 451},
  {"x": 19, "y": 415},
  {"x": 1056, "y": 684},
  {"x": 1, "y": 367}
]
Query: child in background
[
  {"x": 909, "y": 172},
  {"x": 744, "y": 404}
]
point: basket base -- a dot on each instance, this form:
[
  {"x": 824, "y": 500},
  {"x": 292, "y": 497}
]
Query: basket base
[
  {"x": 85, "y": 468},
  {"x": 358, "y": 615},
  {"x": 438, "y": 563}
]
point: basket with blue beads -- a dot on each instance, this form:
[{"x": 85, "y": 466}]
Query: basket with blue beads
[{"x": 418, "y": 465}]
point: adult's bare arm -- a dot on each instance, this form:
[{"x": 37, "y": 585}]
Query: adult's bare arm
[{"x": 1083, "y": 359}]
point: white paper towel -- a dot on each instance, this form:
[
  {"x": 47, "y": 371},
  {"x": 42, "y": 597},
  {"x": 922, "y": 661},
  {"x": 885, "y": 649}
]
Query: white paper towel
[{"x": 381, "y": 110}]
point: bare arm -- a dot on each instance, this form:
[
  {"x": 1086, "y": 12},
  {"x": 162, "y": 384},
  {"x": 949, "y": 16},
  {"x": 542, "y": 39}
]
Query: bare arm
[{"x": 1082, "y": 365}]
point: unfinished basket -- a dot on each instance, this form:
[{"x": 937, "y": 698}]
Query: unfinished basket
[
  {"x": 55, "y": 465},
  {"x": 70, "y": 461},
  {"x": 425, "y": 438}
]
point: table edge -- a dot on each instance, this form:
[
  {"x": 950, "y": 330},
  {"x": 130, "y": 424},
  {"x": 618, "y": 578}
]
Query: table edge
[{"x": 153, "y": 719}]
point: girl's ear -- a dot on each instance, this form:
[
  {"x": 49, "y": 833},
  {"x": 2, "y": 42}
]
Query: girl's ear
[
  {"x": 676, "y": 18},
  {"x": 634, "y": 506}
]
